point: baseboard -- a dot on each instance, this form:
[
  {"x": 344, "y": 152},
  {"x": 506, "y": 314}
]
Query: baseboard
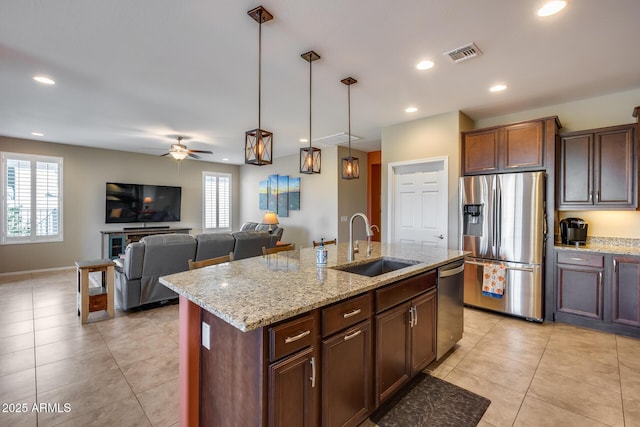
[{"x": 39, "y": 271}]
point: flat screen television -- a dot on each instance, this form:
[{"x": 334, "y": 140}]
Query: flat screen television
[{"x": 135, "y": 203}]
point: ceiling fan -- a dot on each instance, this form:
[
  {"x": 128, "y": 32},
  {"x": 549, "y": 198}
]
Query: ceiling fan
[{"x": 180, "y": 151}]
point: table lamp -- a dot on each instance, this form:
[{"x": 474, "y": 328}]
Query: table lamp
[{"x": 270, "y": 219}]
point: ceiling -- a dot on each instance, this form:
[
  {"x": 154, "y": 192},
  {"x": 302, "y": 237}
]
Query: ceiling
[{"x": 133, "y": 75}]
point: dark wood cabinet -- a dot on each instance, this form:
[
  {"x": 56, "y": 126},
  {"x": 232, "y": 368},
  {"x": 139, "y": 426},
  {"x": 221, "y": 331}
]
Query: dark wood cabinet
[
  {"x": 292, "y": 385},
  {"x": 392, "y": 350},
  {"x": 405, "y": 342},
  {"x": 347, "y": 361},
  {"x": 625, "y": 289},
  {"x": 423, "y": 332},
  {"x": 510, "y": 148},
  {"x": 347, "y": 376},
  {"x": 598, "y": 169},
  {"x": 580, "y": 284}
]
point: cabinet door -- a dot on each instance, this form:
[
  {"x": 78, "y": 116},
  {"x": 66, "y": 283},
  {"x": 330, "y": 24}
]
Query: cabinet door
[
  {"x": 346, "y": 376},
  {"x": 523, "y": 146},
  {"x": 579, "y": 290},
  {"x": 626, "y": 291},
  {"x": 292, "y": 389},
  {"x": 480, "y": 152},
  {"x": 392, "y": 349},
  {"x": 423, "y": 332},
  {"x": 615, "y": 178},
  {"x": 576, "y": 173}
]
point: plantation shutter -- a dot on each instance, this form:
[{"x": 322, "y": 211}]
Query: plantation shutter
[{"x": 216, "y": 201}]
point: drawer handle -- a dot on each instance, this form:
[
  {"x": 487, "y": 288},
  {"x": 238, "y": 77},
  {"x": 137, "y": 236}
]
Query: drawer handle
[
  {"x": 294, "y": 338},
  {"x": 352, "y": 313},
  {"x": 352, "y": 335},
  {"x": 578, "y": 259}
]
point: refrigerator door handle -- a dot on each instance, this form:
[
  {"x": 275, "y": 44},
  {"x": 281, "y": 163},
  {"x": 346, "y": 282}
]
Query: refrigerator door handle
[
  {"x": 498, "y": 222},
  {"x": 529, "y": 269}
]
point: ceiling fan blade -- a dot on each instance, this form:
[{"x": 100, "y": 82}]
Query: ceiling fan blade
[
  {"x": 165, "y": 154},
  {"x": 195, "y": 156},
  {"x": 201, "y": 151}
]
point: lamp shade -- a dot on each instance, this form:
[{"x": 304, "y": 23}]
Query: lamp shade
[{"x": 270, "y": 218}]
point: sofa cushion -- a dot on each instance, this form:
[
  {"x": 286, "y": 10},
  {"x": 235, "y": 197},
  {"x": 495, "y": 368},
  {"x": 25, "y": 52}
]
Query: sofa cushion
[
  {"x": 212, "y": 245},
  {"x": 167, "y": 253},
  {"x": 250, "y": 243},
  {"x": 248, "y": 226}
]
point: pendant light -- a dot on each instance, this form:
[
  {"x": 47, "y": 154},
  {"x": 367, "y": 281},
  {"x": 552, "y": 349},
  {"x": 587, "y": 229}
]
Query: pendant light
[
  {"x": 310, "y": 156},
  {"x": 350, "y": 164},
  {"x": 258, "y": 143}
]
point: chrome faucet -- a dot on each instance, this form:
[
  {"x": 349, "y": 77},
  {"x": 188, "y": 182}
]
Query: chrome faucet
[{"x": 353, "y": 250}]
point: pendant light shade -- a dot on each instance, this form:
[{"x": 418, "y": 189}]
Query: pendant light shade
[
  {"x": 310, "y": 156},
  {"x": 350, "y": 164},
  {"x": 258, "y": 143}
]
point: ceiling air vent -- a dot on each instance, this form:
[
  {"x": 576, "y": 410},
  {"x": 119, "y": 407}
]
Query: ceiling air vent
[
  {"x": 337, "y": 139},
  {"x": 463, "y": 53}
]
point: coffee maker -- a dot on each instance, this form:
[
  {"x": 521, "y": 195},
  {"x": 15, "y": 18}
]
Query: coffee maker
[{"x": 573, "y": 231}]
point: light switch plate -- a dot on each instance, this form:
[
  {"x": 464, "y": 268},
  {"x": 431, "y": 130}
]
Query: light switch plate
[
  {"x": 343, "y": 218},
  {"x": 206, "y": 336}
]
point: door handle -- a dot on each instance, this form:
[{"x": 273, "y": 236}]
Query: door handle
[
  {"x": 313, "y": 372},
  {"x": 451, "y": 272},
  {"x": 441, "y": 237},
  {"x": 411, "y": 317},
  {"x": 352, "y": 335}
]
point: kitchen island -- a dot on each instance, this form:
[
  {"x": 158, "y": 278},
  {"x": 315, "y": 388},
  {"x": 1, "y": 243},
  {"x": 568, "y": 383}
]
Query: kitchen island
[{"x": 258, "y": 337}]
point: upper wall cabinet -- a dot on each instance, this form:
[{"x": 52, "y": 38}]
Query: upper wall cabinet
[
  {"x": 511, "y": 148},
  {"x": 598, "y": 169}
]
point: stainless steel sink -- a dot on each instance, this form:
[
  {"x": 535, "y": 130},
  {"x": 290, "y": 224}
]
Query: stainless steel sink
[{"x": 376, "y": 267}]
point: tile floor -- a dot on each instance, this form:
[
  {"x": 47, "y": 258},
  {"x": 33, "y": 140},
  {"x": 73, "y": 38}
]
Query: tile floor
[{"x": 124, "y": 371}]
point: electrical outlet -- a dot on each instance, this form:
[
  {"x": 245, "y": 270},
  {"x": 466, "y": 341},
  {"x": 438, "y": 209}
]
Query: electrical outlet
[
  {"x": 206, "y": 336},
  {"x": 343, "y": 218}
]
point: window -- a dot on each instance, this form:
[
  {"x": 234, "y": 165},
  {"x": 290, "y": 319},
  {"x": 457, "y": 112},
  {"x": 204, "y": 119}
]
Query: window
[
  {"x": 31, "y": 198},
  {"x": 216, "y": 201}
]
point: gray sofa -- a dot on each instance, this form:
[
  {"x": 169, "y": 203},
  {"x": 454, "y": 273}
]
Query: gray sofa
[
  {"x": 276, "y": 231},
  {"x": 136, "y": 278}
]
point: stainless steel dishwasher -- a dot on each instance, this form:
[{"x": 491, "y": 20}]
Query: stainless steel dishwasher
[{"x": 450, "y": 306}]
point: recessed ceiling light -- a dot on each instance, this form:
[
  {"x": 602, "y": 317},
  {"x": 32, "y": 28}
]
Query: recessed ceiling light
[
  {"x": 551, "y": 8},
  {"x": 424, "y": 65},
  {"x": 37, "y": 134},
  {"x": 44, "y": 80},
  {"x": 410, "y": 110},
  {"x": 498, "y": 88},
  {"x": 225, "y": 160},
  {"x": 303, "y": 140}
]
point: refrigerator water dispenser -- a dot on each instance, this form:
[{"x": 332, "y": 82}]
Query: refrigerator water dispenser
[{"x": 472, "y": 217}]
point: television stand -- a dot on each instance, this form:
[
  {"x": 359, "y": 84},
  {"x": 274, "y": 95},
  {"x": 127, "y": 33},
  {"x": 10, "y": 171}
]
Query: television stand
[
  {"x": 114, "y": 242},
  {"x": 153, "y": 227}
]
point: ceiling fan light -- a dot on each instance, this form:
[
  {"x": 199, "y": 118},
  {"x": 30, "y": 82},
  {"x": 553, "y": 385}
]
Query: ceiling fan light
[{"x": 178, "y": 155}]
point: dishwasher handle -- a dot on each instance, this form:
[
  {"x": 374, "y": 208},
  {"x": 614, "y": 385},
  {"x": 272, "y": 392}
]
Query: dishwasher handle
[{"x": 448, "y": 273}]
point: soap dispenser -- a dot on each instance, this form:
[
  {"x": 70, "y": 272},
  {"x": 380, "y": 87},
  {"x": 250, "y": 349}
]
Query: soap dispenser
[{"x": 321, "y": 253}]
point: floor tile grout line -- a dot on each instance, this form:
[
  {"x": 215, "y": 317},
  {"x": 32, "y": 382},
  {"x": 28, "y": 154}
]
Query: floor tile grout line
[{"x": 624, "y": 421}]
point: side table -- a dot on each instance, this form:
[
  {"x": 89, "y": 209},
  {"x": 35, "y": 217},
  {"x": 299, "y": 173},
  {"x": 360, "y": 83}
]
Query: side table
[{"x": 92, "y": 299}]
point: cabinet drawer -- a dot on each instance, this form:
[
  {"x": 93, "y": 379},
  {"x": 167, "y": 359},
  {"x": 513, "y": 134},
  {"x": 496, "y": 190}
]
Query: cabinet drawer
[
  {"x": 291, "y": 336},
  {"x": 404, "y": 290},
  {"x": 580, "y": 258},
  {"x": 345, "y": 314}
]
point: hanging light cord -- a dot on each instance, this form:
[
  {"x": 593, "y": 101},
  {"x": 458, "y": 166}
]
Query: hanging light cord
[
  {"x": 349, "y": 115},
  {"x": 259, "y": 72},
  {"x": 310, "y": 62}
]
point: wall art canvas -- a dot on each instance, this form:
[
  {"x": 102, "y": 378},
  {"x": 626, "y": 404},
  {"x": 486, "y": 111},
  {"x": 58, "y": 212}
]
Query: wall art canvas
[
  {"x": 272, "y": 203},
  {"x": 294, "y": 194},
  {"x": 283, "y": 195},
  {"x": 263, "y": 195}
]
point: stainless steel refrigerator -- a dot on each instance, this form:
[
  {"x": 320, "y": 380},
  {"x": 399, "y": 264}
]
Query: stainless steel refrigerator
[{"x": 502, "y": 221}]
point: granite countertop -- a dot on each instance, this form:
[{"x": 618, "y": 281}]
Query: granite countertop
[
  {"x": 256, "y": 292},
  {"x": 611, "y": 245}
]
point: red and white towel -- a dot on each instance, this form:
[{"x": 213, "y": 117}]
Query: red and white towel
[{"x": 494, "y": 279}]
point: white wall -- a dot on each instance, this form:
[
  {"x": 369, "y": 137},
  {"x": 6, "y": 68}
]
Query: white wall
[
  {"x": 86, "y": 170},
  {"x": 602, "y": 111},
  {"x": 437, "y": 136}
]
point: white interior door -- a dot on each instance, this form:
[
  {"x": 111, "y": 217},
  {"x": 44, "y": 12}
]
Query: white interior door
[{"x": 419, "y": 207}]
